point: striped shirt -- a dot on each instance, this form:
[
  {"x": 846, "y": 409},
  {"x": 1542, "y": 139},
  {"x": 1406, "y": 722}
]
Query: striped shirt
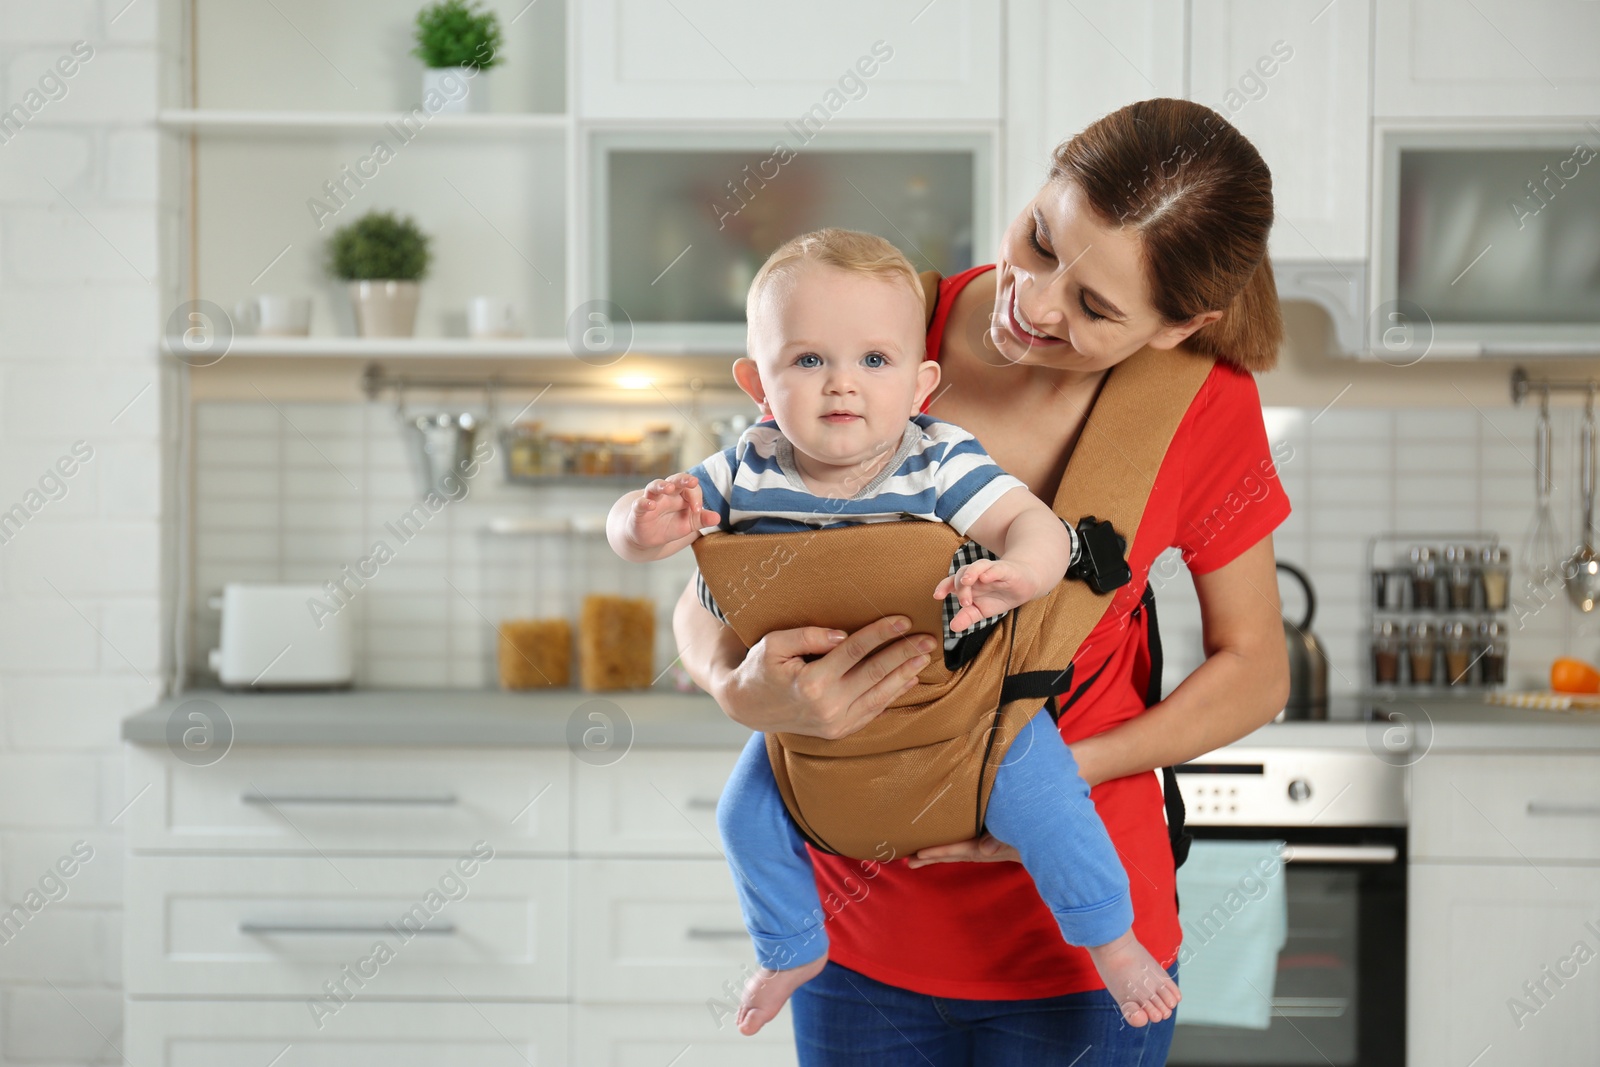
[{"x": 939, "y": 472}]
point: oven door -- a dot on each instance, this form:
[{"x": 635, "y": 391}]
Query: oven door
[{"x": 1339, "y": 999}]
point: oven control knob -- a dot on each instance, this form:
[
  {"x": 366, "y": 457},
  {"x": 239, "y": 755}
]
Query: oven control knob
[{"x": 1299, "y": 790}]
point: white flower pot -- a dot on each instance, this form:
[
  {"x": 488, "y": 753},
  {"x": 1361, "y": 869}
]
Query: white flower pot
[
  {"x": 455, "y": 91},
  {"x": 385, "y": 308}
]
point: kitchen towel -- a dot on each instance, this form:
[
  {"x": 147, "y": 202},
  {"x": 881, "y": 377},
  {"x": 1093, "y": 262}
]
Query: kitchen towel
[{"x": 1234, "y": 910}]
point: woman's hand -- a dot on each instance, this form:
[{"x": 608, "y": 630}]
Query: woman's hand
[
  {"x": 985, "y": 849},
  {"x": 779, "y": 686}
]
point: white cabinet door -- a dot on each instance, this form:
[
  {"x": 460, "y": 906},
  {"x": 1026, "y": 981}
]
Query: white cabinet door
[
  {"x": 458, "y": 1033},
  {"x": 1487, "y": 58},
  {"x": 1503, "y": 965},
  {"x": 332, "y": 927},
  {"x": 651, "y": 803},
  {"x": 651, "y": 1035},
  {"x": 1519, "y": 809},
  {"x": 718, "y": 59},
  {"x": 1068, "y": 64},
  {"x": 353, "y": 799},
  {"x": 1292, "y": 76},
  {"x": 663, "y": 931}
]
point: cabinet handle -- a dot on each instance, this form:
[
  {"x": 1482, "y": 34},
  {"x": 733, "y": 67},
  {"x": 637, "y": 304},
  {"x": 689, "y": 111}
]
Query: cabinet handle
[
  {"x": 336, "y": 929},
  {"x": 1342, "y": 854},
  {"x": 717, "y": 933},
  {"x": 440, "y": 800},
  {"x": 1544, "y": 807},
  {"x": 703, "y": 803}
]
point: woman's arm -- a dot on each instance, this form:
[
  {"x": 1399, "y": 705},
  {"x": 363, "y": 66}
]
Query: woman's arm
[
  {"x": 1242, "y": 684},
  {"x": 813, "y": 681}
]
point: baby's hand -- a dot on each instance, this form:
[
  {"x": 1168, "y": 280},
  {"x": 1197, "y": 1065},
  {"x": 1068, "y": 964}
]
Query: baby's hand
[
  {"x": 987, "y": 587},
  {"x": 668, "y": 510}
]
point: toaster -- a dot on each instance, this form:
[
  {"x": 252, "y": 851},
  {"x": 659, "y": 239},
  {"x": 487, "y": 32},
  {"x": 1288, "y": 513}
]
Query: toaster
[{"x": 281, "y": 636}]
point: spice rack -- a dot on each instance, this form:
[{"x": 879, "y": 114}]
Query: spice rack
[{"x": 1435, "y": 612}]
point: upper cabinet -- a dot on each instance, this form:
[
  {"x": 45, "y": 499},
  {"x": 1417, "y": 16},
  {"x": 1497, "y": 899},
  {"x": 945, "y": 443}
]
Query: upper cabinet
[
  {"x": 1293, "y": 76},
  {"x": 699, "y": 60},
  {"x": 1068, "y": 64},
  {"x": 1489, "y": 58}
]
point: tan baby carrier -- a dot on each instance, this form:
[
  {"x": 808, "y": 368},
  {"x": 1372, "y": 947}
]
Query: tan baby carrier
[{"x": 920, "y": 773}]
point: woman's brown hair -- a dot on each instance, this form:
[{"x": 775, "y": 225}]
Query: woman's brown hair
[{"x": 1200, "y": 197}]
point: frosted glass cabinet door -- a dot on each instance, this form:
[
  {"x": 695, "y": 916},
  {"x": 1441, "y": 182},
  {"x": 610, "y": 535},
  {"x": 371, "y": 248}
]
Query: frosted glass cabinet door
[
  {"x": 1292, "y": 76},
  {"x": 1487, "y": 57},
  {"x": 714, "y": 59}
]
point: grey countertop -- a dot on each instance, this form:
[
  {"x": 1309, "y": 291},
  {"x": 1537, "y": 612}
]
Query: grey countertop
[{"x": 660, "y": 719}]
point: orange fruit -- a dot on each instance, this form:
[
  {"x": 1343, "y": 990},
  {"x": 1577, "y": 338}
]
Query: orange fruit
[{"x": 1573, "y": 676}]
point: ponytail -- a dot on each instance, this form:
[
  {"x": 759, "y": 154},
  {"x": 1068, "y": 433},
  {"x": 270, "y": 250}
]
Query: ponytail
[{"x": 1250, "y": 331}]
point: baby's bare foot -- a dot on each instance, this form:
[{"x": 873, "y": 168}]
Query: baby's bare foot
[
  {"x": 768, "y": 991},
  {"x": 1143, "y": 989}
]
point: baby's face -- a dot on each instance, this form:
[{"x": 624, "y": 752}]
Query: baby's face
[{"x": 842, "y": 360}]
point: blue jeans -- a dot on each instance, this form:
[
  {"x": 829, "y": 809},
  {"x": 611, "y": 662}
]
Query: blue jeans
[
  {"x": 842, "y": 1018},
  {"x": 1039, "y": 803}
]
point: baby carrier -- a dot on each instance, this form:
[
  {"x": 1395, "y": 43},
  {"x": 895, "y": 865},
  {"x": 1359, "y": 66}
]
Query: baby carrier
[{"x": 919, "y": 774}]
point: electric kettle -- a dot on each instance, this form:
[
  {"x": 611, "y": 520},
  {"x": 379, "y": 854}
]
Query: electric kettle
[{"x": 1308, "y": 660}]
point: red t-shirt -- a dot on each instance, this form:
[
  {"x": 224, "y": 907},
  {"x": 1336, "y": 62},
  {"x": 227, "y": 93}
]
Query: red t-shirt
[{"x": 979, "y": 930}]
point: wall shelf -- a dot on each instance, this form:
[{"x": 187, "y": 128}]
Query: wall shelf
[{"x": 252, "y": 122}]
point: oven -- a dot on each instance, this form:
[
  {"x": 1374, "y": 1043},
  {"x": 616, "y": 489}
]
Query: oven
[{"x": 1339, "y": 993}]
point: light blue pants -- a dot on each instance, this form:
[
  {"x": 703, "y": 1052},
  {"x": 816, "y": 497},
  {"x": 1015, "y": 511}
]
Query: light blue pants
[{"x": 1038, "y": 803}]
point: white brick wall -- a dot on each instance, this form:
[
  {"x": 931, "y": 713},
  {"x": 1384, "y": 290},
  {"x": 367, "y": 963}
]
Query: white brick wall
[{"x": 81, "y": 582}]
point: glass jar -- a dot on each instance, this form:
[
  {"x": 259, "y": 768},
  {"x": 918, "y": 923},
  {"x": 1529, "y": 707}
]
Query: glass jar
[
  {"x": 1386, "y": 647},
  {"x": 1494, "y": 565},
  {"x": 1492, "y": 651},
  {"x": 1456, "y": 637},
  {"x": 1460, "y": 570},
  {"x": 1420, "y": 648},
  {"x": 1424, "y": 577}
]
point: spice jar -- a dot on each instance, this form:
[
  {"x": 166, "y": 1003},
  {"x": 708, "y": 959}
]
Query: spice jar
[
  {"x": 1459, "y": 573},
  {"x": 1386, "y": 645},
  {"x": 1388, "y": 588},
  {"x": 1492, "y": 651},
  {"x": 1424, "y": 577},
  {"x": 1494, "y": 565},
  {"x": 1419, "y": 651},
  {"x": 1456, "y": 637}
]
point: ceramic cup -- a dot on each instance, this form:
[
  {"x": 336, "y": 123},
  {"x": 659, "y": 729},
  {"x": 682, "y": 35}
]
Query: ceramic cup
[
  {"x": 490, "y": 317},
  {"x": 275, "y": 316}
]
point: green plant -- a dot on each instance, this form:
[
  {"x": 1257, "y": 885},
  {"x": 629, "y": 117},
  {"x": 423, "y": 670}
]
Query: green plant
[
  {"x": 453, "y": 34},
  {"x": 378, "y": 245}
]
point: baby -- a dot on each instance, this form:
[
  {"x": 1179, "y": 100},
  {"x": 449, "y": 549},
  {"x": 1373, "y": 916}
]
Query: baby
[{"x": 837, "y": 354}]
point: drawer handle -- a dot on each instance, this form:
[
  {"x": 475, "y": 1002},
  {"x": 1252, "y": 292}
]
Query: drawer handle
[
  {"x": 703, "y": 803},
  {"x": 717, "y": 933},
  {"x": 1542, "y": 807},
  {"x": 1341, "y": 854},
  {"x": 441, "y": 800},
  {"x": 337, "y": 929}
]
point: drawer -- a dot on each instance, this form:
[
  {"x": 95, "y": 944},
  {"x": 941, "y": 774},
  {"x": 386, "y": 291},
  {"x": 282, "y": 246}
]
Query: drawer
[
  {"x": 652, "y": 803},
  {"x": 1511, "y": 807},
  {"x": 381, "y": 800},
  {"x": 363, "y": 1034},
  {"x": 658, "y": 931},
  {"x": 653, "y": 1035},
  {"x": 308, "y": 926}
]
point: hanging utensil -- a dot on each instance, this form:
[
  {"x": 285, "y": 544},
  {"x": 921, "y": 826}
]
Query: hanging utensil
[
  {"x": 1541, "y": 554},
  {"x": 1582, "y": 569}
]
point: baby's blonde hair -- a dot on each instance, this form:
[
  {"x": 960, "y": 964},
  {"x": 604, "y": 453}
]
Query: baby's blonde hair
[{"x": 850, "y": 250}]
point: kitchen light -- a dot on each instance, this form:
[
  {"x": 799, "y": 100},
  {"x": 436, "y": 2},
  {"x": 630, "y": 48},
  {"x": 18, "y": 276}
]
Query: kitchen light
[{"x": 635, "y": 381}]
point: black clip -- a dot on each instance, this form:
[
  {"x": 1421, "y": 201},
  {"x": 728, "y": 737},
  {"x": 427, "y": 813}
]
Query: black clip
[{"x": 1101, "y": 561}]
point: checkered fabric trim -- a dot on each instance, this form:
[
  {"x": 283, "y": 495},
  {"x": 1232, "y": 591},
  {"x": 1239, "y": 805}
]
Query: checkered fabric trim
[{"x": 970, "y": 552}]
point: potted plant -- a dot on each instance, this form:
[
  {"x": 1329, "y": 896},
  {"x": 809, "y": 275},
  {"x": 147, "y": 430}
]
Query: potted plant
[
  {"x": 458, "y": 43},
  {"x": 382, "y": 257}
]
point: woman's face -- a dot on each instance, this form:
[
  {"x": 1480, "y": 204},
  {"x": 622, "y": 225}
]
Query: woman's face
[{"x": 1071, "y": 292}]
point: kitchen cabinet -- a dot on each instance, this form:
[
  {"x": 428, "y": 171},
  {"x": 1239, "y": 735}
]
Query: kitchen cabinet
[
  {"x": 1293, "y": 78},
  {"x": 1503, "y": 956},
  {"x": 1486, "y": 58},
  {"x": 697, "y": 60}
]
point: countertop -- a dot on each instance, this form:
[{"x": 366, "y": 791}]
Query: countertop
[{"x": 660, "y": 719}]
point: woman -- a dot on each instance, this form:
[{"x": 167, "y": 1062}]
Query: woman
[{"x": 1150, "y": 230}]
